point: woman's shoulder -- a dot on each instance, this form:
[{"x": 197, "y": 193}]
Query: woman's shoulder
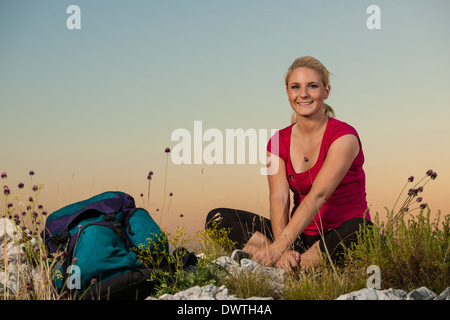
[
  {"x": 340, "y": 127},
  {"x": 337, "y": 129}
]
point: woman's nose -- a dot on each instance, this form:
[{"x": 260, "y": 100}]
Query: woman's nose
[{"x": 304, "y": 93}]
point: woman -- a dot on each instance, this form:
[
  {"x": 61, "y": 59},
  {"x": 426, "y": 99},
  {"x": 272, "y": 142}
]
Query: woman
[{"x": 320, "y": 160}]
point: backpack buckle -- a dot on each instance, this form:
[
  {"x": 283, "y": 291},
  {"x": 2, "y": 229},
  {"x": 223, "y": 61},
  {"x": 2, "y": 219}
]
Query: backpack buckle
[{"x": 61, "y": 237}]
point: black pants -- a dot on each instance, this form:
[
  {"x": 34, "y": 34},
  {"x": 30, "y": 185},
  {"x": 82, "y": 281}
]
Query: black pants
[{"x": 242, "y": 224}]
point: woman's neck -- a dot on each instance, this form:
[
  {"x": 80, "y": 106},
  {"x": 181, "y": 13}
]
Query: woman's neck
[{"x": 310, "y": 126}]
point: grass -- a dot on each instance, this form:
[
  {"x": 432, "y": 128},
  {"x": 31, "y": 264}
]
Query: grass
[{"x": 411, "y": 249}]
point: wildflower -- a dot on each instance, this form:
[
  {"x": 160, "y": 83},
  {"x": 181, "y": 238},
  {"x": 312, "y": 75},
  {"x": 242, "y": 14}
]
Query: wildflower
[
  {"x": 419, "y": 199},
  {"x": 31, "y": 173},
  {"x": 20, "y": 185},
  {"x": 429, "y": 172},
  {"x": 149, "y": 176},
  {"x": 411, "y": 179},
  {"x": 306, "y": 159},
  {"x": 44, "y": 213},
  {"x": 10, "y": 204},
  {"x": 24, "y": 213},
  {"x": 30, "y": 199},
  {"x": 3, "y": 175},
  {"x": 420, "y": 189},
  {"x": 141, "y": 195},
  {"x": 423, "y": 206},
  {"x": 6, "y": 191},
  {"x": 35, "y": 188},
  {"x": 75, "y": 260},
  {"x": 40, "y": 207},
  {"x": 167, "y": 150},
  {"x": 93, "y": 280},
  {"x": 433, "y": 175},
  {"x": 181, "y": 215},
  {"x": 170, "y": 194}
]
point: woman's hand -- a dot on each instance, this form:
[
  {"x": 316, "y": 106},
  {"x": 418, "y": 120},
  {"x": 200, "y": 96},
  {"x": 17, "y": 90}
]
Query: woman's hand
[
  {"x": 267, "y": 256},
  {"x": 289, "y": 260}
]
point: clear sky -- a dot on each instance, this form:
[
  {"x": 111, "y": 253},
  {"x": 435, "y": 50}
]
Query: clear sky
[{"x": 93, "y": 109}]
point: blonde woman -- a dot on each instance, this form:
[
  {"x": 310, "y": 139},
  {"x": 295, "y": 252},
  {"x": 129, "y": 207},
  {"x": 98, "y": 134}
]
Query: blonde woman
[{"x": 320, "y": 160}]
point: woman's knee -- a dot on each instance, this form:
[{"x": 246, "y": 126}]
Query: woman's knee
[{"x": 215, "y": 217}]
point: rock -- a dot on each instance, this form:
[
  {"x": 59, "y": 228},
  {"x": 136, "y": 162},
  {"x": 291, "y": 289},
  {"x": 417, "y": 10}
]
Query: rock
[
  {"x": 208, "y": 292},
  {"x": 372, "y": 294},
  {"x": 445, "y": 295},
  {"x": 421, "y": 293},
  {"x": 227, "y": 263},
  {"x": 17, "y": 269}
]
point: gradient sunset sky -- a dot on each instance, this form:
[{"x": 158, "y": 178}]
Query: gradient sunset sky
[{"x": 93, "y": 109}]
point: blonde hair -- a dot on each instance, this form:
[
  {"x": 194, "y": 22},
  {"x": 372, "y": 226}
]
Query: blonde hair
[{"x": 312, "y": 63}]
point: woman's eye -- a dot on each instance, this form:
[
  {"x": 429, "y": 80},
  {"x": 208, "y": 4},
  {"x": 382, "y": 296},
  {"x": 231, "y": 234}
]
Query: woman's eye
[
  {"x": 314, "y": 86},
  {"x": 295, "y": 87}
]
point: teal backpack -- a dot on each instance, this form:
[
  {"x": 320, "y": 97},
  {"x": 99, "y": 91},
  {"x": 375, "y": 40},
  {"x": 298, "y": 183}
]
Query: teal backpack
[{"x": 95, "y": 238}]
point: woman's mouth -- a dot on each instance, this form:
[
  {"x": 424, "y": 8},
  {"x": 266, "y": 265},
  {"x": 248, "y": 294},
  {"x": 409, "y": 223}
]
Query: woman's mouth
[{"x": 304, "y": 103}]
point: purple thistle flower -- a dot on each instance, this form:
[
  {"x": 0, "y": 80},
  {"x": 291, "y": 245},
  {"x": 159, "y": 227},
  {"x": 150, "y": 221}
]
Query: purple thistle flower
[
  {"x": 411, "y": 179},
  {"x": 10, "y": 204},
  {"x": 170, "y": 194},
  {"x": 420, "y": 189},
  {"x": 35, "y": 188},
  {"x": 141, "y": 195},
  {"x": 419, "y": 199},
  {"x": 6, "y": 191},
  {"x": 181, "y": 215},
  {"x": 30, "y": 199},
  {"x": 31, "y": 173},
  {"x": 167, "y": 150},
  {"x": 423, "y": 206},
  {"x": 20, "y": 185},
  {"x": 429, "y": 172},
  {"x": 4, "y": 175},
  {"x": 433, "y": 175},
  {"x": 149, "y": 176},
  {"x": 44, "y": 213}
]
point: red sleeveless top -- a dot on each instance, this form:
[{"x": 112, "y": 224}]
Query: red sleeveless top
[{"x": 348, "y": 200}]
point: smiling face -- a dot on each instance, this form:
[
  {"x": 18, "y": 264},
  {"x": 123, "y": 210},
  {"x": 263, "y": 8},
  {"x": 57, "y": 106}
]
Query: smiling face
[{"x": 306, "y": 92}]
